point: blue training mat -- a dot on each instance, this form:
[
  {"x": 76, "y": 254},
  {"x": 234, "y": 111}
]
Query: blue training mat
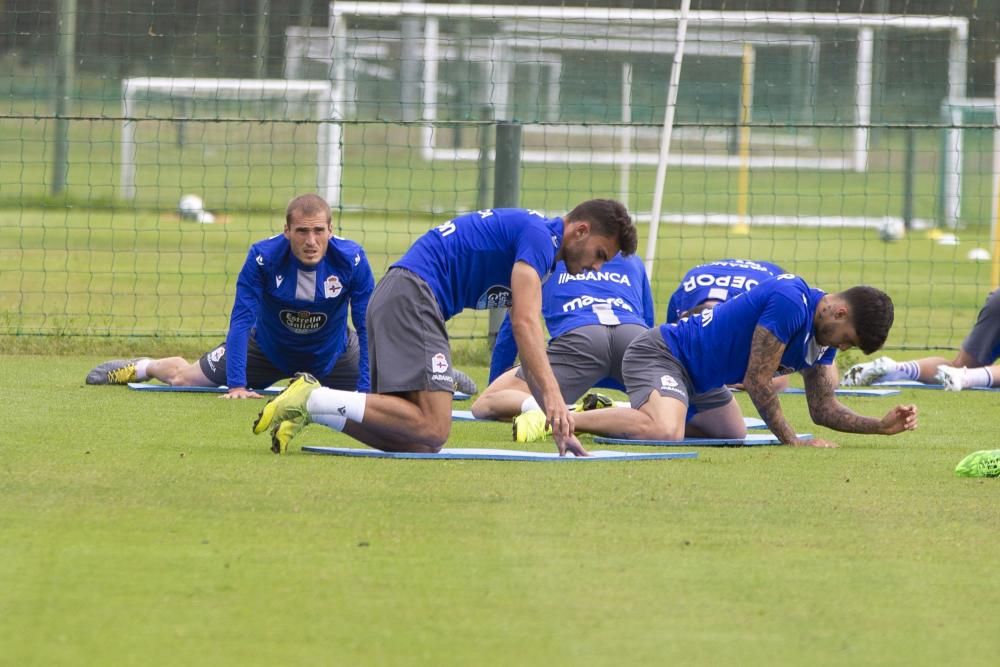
[
  {"x": 753, "y": 440},
  {"x": 914, "y": 384},
  {"x": 498, "y": 455},
  {"x": 466, "y": 416},
  {"x": 860, "y": 391},
  {"x": 150, "y": 386},
  {"x": 850, "y": 391},
  {"x": 269, "y": 391}
]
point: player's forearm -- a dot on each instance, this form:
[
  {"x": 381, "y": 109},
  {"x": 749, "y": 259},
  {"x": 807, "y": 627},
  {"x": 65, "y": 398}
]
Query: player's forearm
[
  {"x": 833, "y": 415},
  {"x": 765, "y": 399},
  {"x": 531, "y": 349}
]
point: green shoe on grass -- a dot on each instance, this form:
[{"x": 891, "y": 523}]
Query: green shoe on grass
[{"x": 985, "y": 463}]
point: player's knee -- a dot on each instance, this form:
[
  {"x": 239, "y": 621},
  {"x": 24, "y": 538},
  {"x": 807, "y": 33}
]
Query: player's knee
[
  {"x": 664, "y": 432},
  {"x": 480, "y": 408},
  {"x": 432, "y": 434}
]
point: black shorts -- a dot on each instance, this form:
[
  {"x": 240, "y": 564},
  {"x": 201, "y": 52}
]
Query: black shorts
[
  {"x": 983, "y": 342},
  {"x": 408, "y": 347},
  {"x": 261, "y": 373}
]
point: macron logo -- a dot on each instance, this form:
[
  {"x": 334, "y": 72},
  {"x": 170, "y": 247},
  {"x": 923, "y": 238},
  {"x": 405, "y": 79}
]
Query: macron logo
[{"x": 278, "y": 279}]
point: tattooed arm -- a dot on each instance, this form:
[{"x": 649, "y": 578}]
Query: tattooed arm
[
  {"x": 765, "y": 357},
  {"x": 826, "y": 410}
]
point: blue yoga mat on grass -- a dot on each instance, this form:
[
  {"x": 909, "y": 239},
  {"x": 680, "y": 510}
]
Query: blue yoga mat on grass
[
  {"x": 269, "y": 391},
  {"x": 914, "y": 384},
  {"x": 498, "y": 455},
  {"x": 466, "y": 416},
  {"x": 752, "y": 440},
  {"x": 152, "y": 386},
  {"x": 849, "y": 391}
]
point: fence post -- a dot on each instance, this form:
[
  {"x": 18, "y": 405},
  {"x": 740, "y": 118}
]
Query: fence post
[
  {"x": 506, "y": 190},
  {"x": 65, "y": 75},
  {"x": 909, "y": 177}
]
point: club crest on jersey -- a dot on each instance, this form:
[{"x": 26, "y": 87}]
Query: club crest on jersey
[
  {"x": 332, "y": 287},
  {"x": 439, "y": 363},
  {"x": 302, "y": 321},
  {"x": 496, "y": 296}
]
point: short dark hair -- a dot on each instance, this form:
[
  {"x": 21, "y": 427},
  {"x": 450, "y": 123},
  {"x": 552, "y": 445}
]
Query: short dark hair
[
  {"x": 872, "y": 314},
  {"x": 608, "y": 217},
  {"x": 307, "y": 204}
]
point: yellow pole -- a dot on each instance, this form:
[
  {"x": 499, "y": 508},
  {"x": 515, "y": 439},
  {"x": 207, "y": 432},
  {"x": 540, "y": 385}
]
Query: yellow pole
[{"x": 746, "y": 113}]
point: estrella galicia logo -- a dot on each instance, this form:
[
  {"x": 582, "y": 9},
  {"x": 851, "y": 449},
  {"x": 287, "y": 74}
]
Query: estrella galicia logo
[
  {"x": 496, "y": 296},
  {"x": 302, "y": 321}
]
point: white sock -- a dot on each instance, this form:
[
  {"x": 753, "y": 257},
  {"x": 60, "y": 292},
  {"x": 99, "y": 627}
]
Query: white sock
[
  {"x": 530, "y": 404},
  {"x": 978, "y": 377},
  {"x": 333, "y": 407},
  {"x": 140, "y": 369},
  {"x": 909, "y": 369}
]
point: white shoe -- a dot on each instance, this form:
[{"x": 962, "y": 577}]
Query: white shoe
[
  {"x": 951, "y": 377},
  {"x": 868, "y": 373}
]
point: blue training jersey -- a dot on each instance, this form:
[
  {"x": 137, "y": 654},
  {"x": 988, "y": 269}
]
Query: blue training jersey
[
  {"x": 617, "y": 294},
  {"x": 467, "y": 261},
  {"x": 299, "y": 314},
  {"x": 714, "y": 346},
  {"x": 718, "y": 281}
]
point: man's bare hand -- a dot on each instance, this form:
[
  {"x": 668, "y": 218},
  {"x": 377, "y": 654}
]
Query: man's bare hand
[
  {"x": 900, "y": 418},
  {"x": 241, "y": 392},
  {"x": 815, "y": 442},
  {"x": 571, "y": 445},
  {"x": 558, "y": 418}
]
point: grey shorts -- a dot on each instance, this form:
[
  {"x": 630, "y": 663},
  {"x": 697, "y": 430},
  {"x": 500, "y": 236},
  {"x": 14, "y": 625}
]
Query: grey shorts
[
  {"x": 649, "y": 366},
  {"x": 583, "y": 356},
  {"x": 983, "y": 342},
  {"x": 408, "y": 347},
  {"x": 261, "y": 373}
]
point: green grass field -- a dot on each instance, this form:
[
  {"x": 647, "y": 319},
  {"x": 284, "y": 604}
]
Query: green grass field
[{"x": 157, "y": 530}]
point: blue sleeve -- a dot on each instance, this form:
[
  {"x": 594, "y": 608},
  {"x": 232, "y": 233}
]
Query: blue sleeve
[
  {"x": 535, "y": 248},
  {"x": 648, "y": 307},
  {"x": 363, "y": 285},
  {"x": 249, "y": 289},
  {"x": 504, "y": 350},
  {"x": 784, "y": 313},
  {"x": 672, "y": 308}
]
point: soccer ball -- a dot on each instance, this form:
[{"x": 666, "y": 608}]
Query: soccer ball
[
  {"x": 190, "y": 207},
  {"x": 891, "y": 229}
]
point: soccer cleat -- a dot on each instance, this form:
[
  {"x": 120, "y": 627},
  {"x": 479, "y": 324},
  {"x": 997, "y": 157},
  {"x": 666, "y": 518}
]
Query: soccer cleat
[
  {"x": 593, "y": 401},
  {"x": 283, "y": 433},
  {"x": 116, "y": 371},
  {"x": 530, "y": 426},
  {"x": 289, "y": 405},
  {"x": 868, "y": 373},
  {"x": 464, "y": 383},
  {"x": 951, "y": 377},
  {"x": 985, "y": 463}
]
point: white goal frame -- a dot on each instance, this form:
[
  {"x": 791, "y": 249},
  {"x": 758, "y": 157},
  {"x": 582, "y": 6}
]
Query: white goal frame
[
  {"x": 329, "y": 132},
  {"x": 865, "y": 26}
]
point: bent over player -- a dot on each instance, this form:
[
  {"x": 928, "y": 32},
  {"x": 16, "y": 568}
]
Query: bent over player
[
  {"x": 490, "y": 258},
  {"x": 290, "y": 315},
  {"x": 780, "y": 326},
  {"x": 591, "y": 316},
  {"x": 707, "y": 285}
]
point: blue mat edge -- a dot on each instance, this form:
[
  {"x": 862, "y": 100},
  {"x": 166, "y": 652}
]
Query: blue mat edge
[
  {"x": 697, "y": 442},
  {"x": 456, "y": 455}
]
